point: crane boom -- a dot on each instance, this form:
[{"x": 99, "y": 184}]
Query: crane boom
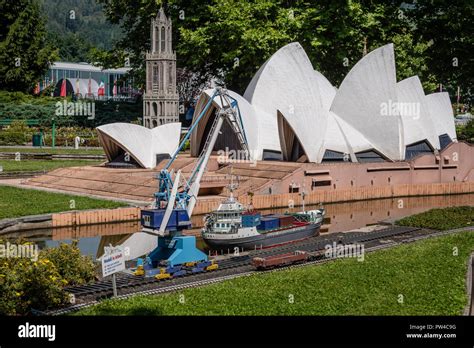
[
  {"x": 175, "y": 200},
  {"x": 187, "y": 198}
]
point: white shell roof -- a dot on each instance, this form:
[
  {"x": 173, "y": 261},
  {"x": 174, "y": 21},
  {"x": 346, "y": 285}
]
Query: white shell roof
[
  {"x": 287, "y": 83},
  {"x": 416, "y": 119},
  {"x": 141, "y": 143},
  {"x": 367, "y": 87},
  {"x": 347, "y": 120},
  {"x": 441, "y": 112},
  {"x": 260, "y": 128}
]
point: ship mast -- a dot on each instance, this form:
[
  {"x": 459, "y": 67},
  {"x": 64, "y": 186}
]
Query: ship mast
[
  {"x": 303, "y": 194},
  {"x": 231, "y": 186}
]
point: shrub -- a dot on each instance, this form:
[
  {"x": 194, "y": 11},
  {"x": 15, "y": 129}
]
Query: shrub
[
  {"x": 28, "y": 284},
  {"x": 441, "y": 219},
  {"x": 72, "y": 266},
  {"x": 15, "y": 134},
  {"x": 12, "y": 138},
  {"x": 466, "y": 132}
]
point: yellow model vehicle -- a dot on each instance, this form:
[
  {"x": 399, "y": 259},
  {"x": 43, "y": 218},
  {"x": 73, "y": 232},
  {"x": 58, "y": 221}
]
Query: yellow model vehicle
[{"x": 163, "y": 274}]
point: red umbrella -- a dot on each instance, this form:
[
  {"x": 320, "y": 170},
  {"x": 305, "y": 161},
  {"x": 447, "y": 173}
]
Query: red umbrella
[{"x": 63, "y": 88}]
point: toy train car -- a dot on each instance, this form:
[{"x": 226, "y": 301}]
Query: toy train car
[{"x": 263, "y": 263}]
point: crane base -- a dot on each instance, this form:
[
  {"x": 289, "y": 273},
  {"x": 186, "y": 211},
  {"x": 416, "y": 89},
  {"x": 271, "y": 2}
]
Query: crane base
[{"x": 177, "y": 251}]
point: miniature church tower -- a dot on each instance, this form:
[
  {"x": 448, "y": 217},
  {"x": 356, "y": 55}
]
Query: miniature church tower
[{"x": 160, "y": 101}]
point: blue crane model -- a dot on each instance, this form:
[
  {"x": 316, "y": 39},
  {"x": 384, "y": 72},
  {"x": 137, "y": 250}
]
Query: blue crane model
[{"x": 176, "y": 198}]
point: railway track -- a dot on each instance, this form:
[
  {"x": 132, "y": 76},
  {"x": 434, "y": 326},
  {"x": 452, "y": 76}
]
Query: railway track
[
  {"x": 216, "y": 277},
  {"x": 236, "y": 264}
]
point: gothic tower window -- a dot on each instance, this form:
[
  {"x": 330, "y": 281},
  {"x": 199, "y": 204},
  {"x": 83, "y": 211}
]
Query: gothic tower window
[
  {"x": 169, "y": 39},
  {"x": 161, "y": 73},
  {"x": 157, "y": 38},
  {"x": 170, "y": 78},
  {"x": 155, "y": 75},
  {"x": 163, "y": 36}
]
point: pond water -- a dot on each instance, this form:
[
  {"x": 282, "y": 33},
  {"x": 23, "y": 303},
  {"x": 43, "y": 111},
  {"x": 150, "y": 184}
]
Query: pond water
[{"x": 339, "y": 217}]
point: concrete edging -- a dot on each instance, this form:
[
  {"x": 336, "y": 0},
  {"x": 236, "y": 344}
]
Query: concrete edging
[
  {"x": 30, "y": 222},
  {"x": 469, "y": 310}
]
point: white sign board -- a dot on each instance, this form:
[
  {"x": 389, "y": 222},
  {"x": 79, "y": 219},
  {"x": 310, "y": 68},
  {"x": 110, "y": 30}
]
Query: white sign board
[{"x": 113, "y": 260}]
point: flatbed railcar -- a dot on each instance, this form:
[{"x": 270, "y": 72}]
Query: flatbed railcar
[
  {"x": 263, "y": 263},
  {"x": 287, "y": 259}
]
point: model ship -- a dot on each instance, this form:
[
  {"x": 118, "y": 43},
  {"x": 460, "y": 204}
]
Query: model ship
[{"x": 233, "y": 225}]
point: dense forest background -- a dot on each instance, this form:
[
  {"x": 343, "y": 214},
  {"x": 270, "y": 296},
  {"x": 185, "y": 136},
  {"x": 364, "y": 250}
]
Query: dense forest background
[
  {"x": 76, "y": 27},
  {"x": 228, "y": 40}
]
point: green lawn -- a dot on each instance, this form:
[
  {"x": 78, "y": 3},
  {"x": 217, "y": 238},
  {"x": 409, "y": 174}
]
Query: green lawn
[
  {"x": 426, "y": 273},
  {"x": 441, "y": 219},
  {"x": 15, "y": 202},
  {"x": 46, "y": 165},
  {"x": 55, "y": 151}
]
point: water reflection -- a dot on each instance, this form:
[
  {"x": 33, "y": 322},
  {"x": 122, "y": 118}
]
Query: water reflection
[{"x": 339, "y": 217}]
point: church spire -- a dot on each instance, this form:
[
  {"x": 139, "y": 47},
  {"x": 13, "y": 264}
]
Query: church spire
[
  {"x": 161, "y": 33},
  {"x": 160, "y": 102}
]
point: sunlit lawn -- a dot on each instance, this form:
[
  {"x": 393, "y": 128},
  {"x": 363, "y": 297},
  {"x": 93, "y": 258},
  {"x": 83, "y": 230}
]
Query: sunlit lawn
[
  {"x": 55, "y": 151},
  {"x": 16, "y": 202},
  {"x": 44, "y": 165},
  {"x": 423, "y": 278}
]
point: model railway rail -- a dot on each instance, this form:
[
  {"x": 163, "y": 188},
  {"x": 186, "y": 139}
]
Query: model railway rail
[
  {"x": 103, "y": 288},
  {"x": 191, "y": 283}
]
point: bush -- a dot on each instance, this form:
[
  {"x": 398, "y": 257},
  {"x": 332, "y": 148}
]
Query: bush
[
  {"x": 72, "y": 266},
  {"x": 12, "y": 138},
  {"x": 441, "y": 219},
  {"x": 29, "y": 284},
  {"x": 16, "y": 105},
  {"x": 26, "y": 284},
  {"x": 65, "y": 136},
  {"x": 15, "y": 134},
  {"x": 466, "y": 132}
]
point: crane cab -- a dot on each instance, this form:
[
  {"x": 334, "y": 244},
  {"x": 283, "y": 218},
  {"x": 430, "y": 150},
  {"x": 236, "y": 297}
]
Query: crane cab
[{"x": 152, "y": 219}]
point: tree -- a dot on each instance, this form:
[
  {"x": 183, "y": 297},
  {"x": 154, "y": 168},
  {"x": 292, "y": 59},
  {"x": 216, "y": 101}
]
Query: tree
[
  {"x": 448, "y": 27},
  {"x": 231, "y": 39},
  {"x": 189, "y": 86},
  {"x": 24, "y": 56},
  {"x": 76, "y": 26}
]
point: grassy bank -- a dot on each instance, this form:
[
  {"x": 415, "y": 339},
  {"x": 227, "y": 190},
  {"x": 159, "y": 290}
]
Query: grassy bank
[
  {"x": 15, "y": 202},
  {"x": 55, "y": 151},
  {"x": 441, "y": 219},
  {"x": 45, "y": 165},
  {"x": 426, "y": 273}
]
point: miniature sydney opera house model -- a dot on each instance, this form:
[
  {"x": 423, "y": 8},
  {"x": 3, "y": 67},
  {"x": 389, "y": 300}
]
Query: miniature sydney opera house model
[{"x": 291, "y": 112}]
